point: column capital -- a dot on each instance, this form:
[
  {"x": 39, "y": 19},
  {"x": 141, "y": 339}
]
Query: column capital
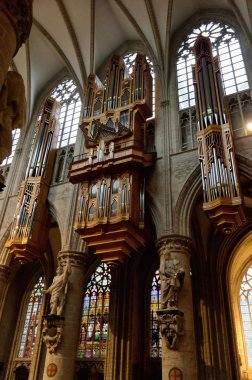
[
  {"x": 19, "y": 13},
  {"x": 174, "y": 243},
  {"x": 76, "y": 258},
  {"x": 4, "y": 272}
]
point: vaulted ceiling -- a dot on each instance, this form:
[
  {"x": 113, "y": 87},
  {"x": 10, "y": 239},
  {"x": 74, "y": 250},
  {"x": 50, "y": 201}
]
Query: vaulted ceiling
[{"x": 79, "y": 35}]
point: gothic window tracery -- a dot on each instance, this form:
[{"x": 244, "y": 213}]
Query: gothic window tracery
[
  {"x": 155, "y": 301},
  {"x": 95, "y": 315},
  {"x": 246, "y": 312},
  {"x": 30, "y": 327},
  {"x": 67, "y": 94},
  {"x": 235, "y": 82}
]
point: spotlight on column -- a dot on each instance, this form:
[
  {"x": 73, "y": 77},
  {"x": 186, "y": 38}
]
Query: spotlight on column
[{"x": 249, "y": 126}]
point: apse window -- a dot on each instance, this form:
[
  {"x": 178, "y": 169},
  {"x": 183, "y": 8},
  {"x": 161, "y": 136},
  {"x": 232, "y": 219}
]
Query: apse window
[
  {"x": 67, "y": 94},
  {"x": 246, "y": 312},
  {"x": 155, "y": 302},
  {"x": 234, "y": 78},
  {"x": 95, "y": 315},
  {"x": 30, "y": 328}
]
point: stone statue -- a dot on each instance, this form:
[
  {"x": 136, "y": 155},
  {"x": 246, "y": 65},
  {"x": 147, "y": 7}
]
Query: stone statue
[
  {"x": 101, "y": 151},
  {"x": 12, "y": 110},
  {"x": 111, "y": 149},
  {"x": 172, "y": 277},
  {"x": 58, "y": 289}
]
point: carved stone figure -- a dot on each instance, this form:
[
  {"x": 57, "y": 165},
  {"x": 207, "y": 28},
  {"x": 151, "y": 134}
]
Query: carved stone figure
[
  {"x": 172, "y": 277},
  {"x": 58, "y": 289},
  {"x": 12, "y": 110},
  {"x": 111, "y": 149},
  {"x": 90, "y": 156},
  {"x": 101, "y": 151}
]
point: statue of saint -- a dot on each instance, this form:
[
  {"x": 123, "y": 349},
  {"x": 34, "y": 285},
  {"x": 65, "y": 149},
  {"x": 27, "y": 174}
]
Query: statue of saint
[
  {"x": 172, "y": 277},
  {"x": 58, "y": 289}
]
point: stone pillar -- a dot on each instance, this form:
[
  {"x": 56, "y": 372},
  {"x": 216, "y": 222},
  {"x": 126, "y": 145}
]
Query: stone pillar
[
  {"x": 176, "y": 313},
  {"x": 15, "y": 26},
  {"x": 60, "y": 362},
  {"x": 4, "y": 276}
]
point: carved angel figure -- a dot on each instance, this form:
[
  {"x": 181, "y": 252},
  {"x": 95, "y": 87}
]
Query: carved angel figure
[{"x": 58, "y": 289}]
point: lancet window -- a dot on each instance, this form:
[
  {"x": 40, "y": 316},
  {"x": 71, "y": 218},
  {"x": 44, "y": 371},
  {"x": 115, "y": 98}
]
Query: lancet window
[
  {"x": 155, "y": 301},
  {"x": 235, "y": 82},
  {"x": 95, "y": 315},
  {"x": 67, "y": 94},
  {"x": 30, "y": 327},
  {"x": 246, "y": 312}
]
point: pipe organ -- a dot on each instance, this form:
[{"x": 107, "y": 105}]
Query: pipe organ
[
  {"x": 111, "y": 172},
  {"x": 221, "y": 189},
  {"x": 29, "y": 232}
]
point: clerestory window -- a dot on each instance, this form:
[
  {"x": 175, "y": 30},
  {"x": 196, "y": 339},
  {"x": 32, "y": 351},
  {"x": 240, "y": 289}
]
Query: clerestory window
[{"x": 234, "y": 78}]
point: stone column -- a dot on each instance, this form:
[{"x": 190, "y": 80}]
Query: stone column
[
  {"x": 176, "y": 313},
  {"x": 4, "y": 276},
  {"x": 15, "y": 26},
  {"x": 60, "y": 360}
]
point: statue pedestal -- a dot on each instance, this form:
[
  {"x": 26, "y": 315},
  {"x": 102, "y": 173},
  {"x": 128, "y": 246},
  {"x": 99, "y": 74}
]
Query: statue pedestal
[
  {"x": 52, "y": 331},
  {"x": 171, "y": 323}
]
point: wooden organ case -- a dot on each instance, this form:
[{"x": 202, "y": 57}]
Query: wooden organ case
[
  {"x": 221, "y": 188},
  {"x": 30, "y": 228},
  {"x": 111, "y": 173}
]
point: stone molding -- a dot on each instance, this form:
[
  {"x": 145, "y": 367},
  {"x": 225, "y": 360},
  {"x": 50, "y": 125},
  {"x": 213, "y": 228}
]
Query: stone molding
[
  {"x": 19, "y": 13},
  {"x": 76, "y": 258},
  {"x": 174, "y": 243},
  {"x": 4, "y": 272}
]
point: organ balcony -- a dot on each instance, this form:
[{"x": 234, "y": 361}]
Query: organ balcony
[
  {"x": 30, "y": 227},
  {"x": 118, "y": 150}
]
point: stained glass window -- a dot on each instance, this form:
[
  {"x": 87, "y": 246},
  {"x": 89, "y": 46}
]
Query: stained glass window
[
  {"x": 246, "y": 311},
  {"x": 155, "y": 334},
  {"x": 15, "y": 138},
  {"x": 67, "y": 94},
  {"x": 227, "y": 47},
  {"x": 31, "y": 320},
  {"x": 95, "y": 315}
]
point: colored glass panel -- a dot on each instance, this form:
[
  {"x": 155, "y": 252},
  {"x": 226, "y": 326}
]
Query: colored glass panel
[
  {"x": 95, "y": 315},
  {"x": 155, "y": 301},
  {"x": 31, "y": 320}
]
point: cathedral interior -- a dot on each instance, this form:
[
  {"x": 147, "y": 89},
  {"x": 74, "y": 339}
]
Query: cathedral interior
[{"x": 126, "y": 190}]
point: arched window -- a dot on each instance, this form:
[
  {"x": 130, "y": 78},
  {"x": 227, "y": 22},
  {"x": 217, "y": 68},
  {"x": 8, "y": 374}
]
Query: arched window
[
  {"x": 227, "y": 47},
  {"x": 95, "y": 315},
  {"x": 246, "y": 312},
  {"x": 30, "y": 326},
  {"x": 155, "y": 301},
  {"x": 67, "y": 94},
  {"x": 15, "y": 138}
]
